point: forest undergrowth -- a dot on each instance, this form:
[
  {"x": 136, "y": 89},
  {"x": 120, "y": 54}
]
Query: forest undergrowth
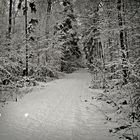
[{"x": 123, "y": 102}]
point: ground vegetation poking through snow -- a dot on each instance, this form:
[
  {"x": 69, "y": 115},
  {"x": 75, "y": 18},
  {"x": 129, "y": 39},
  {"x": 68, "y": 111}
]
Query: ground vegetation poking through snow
[{"x": 123, "y": 102}]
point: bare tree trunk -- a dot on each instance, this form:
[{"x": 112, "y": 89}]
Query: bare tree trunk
[
  {"x": 102, "y": 47},
  {"x": 122, "y": 41},
  {"x": 14, "y": 15},
  {"x": 26, "y": 36},
  {"x": 49, "y": 8},
  {"x": 125, "y": 30},
  {"x": 10, "y": 18}
]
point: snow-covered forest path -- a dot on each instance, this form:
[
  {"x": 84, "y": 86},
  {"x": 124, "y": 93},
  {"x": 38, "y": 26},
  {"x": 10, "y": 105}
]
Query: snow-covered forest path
[{"x": 57, "y": 112}]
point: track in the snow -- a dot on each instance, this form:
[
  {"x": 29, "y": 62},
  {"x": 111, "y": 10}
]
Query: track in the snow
[{"x": 55, "y": 113}]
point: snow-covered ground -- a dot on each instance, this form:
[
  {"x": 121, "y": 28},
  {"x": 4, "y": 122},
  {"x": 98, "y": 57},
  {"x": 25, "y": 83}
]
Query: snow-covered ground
[{"x": 57, "y": 112}]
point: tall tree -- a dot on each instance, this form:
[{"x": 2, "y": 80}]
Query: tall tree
[
  {"x": 120, "y": 7},
  {"x": 49, "y": 7},
  {"x": 10, "y": 17},
  {"x": 26, "y": 35}
]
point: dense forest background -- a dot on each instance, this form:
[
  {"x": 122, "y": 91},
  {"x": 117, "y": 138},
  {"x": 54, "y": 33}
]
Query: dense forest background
[
  {"x": 43, "y": 38},
  {"x": 40, "y": 38}
]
